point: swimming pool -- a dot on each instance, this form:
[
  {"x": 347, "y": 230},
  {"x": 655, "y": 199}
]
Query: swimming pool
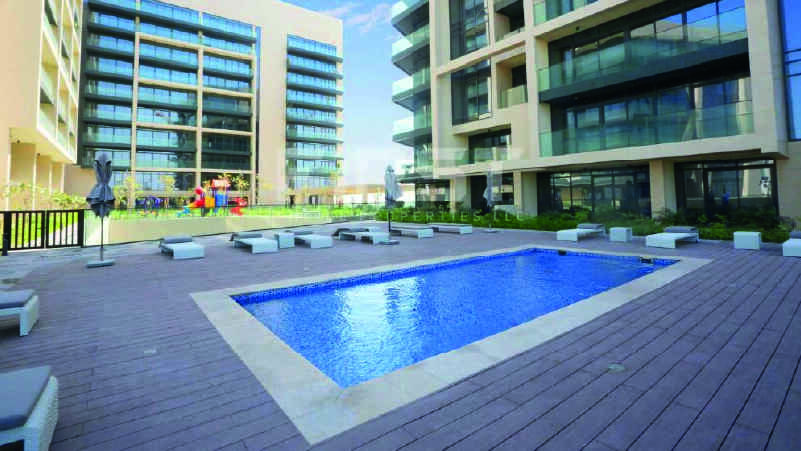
[{"x": 357, "y": 329}]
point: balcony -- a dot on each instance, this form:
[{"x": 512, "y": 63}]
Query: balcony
[
  {"x": 123, "y": 4},
  {"x": 415, "y": 173},
  {"x": 313, "y": 101},
  {"x": 116, "y": 93},
  {"x": 309, "y": 83},
  {"x": 311, "y": 67},
  {"x": 311, "y": 136},
  {"x": 714, "y": 122},
  {"x": 411, "y": 130},
  {"x": 406, "y": 14},
  {"x": 109, "y": 117},
  {"x": 405, "y": 91},
  {"x": 328, "y": 120},
  {"x": 48, "y": 88},
  {"x": 178, "y": 143},
  {"x": 513, "y": 96},
  {"x": 110, "y": 68},
  {"x": 107, "y": 139},
  {"x": 323, "y": 172},
  {"x": 405, "y": 49},
  {"x": 110, "y": 45},
  {"x": 545, "y": 10},
  {"x": 46, "y": 121},
  {"x": 304, "y": 154},
  {"x": 313, "y": 49},
  {"x": 226, "y": 108},
  {"x": 642, "y": 58}
]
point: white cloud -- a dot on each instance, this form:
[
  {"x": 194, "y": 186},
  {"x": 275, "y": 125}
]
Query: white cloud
[
  {"x": 366, "y": 21},
  {"x": 342, "y": 10}
]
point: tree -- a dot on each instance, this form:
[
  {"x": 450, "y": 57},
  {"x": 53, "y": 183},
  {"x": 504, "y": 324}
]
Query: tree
[
  {"x": 127, "y": 190},
  {"x": 169, "y": 188}
]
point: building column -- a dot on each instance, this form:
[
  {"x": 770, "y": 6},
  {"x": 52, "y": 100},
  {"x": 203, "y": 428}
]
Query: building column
[
  {"x": 767, "y": 74},
  {"x": 57, "y": 177},
  {"x": 23, "y": 169},
  {"x": 5, "y": 165},
  {"x": 528, "y": 194},
  {"x": 789, "y": 183},
  {"x": 663, "y": 187},
  {"x": 460, "y": 192}
]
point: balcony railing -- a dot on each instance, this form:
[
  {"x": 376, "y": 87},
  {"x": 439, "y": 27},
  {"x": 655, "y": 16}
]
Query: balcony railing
[
  {"x": 419, "y": 121},
  {"x": 302, "y": 134},
  {"x": 146, "y": 96},
  {"x": 109, "y": 115},
  {"x": 127, "y": 4},
  {"x": 314, "y": 171},
  {"x": 634, "y": 54},
  {"x": 513, "y": 96},
  {"x": 315, "y": 117},
  {"x": 110, "y": 68},
  {"x": 405, "y": 5},
  {"x": 415, "y": 38},
  {"x": 107, "y": 138},
  {"x": 545, "y": 10},
  {"x": 226, "y": 107},
  {"x": 714, "y": 122},
  {"x": 308, "y": 45},
  {"x": 116, "y": 92},
  {"x": 295, "y": 153},
  {"x": 411, "y": 171},
  {"x": 48, "y": 85},
  {"x": 412, "y": 83}
]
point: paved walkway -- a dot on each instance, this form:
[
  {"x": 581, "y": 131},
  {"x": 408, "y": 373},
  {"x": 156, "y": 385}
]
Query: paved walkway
[{"x": 710, "y": 361}]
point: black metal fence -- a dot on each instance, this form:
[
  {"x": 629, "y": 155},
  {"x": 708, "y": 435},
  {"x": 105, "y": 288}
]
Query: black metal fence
[{"x": 41, "y": 229}]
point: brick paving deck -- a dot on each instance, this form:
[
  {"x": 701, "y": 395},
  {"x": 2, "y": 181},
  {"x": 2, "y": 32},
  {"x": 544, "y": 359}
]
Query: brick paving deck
[{"x": 711, "y": 360}]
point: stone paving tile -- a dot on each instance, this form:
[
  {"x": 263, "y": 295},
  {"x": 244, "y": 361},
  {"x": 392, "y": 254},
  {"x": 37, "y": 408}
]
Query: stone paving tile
[{"x": 711, "y": 358}]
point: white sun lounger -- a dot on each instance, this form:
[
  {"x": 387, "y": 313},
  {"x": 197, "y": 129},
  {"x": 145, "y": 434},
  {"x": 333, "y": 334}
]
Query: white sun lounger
[
  {"x": 413, "y": 231},
  {"x": 461, "y": 229},
  {"x": 671, "y": 236},
  {"x": 372, "y": 237},
  {"x": 255, "y": 241},
  {"x": 792, "y": 247},
  {"x": 29, "y": 411},
  {"x": 581, "y": 231},
  {"x": 22, "y": 304},
  {"x": 314, "y": 241},
  {"x": 181, "y": 247}
]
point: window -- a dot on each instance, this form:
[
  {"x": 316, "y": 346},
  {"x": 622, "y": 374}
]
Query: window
[
  {"x": 309, "y": 63},
  {"x": 312, "y": 46},
  {"x": 154, "y": 181},
  {"x": 470, "y": 93},
  {"x": 226, "y": 122},
  {"x": 727, "y": 188},
  {"x": 167, "y": 96},
  {"x": 109, "y": 66},
  {"x": 109, "y": 89},
  {"x": 228, "y": 143},
  {"x": 119, "y": 158},
  {"x": 164, "y": 160},
  {"x": 489, "y": 147},
  {"x": 310, "y": 97},
  {"x": 226, "y": 83},
  {"x": 172, "y": 75},
  {"x": 233, "y": 104},
  {"x": 107, "y": 134},
  {"x": 165, "y": 138},
  {"x": 226, "y": 65},
  {"x": 108, "y": 112},
  {"x": 167, "y": 32},
  {"x": 164, "y": 116},
  {"x": 791, "y": 20},
  {"x": 168, "y": 54},
  {"x": 468, "y": 26},
  {"x": 621, "y": 189}
]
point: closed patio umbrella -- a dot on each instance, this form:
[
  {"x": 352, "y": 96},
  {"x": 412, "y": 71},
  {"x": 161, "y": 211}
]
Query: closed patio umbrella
[
  {"x": 101, "y": 200},
  {"x": 392, "y": 193}
]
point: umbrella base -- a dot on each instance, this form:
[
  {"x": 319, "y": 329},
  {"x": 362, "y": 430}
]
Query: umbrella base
[{"x": 99, "y": 263}]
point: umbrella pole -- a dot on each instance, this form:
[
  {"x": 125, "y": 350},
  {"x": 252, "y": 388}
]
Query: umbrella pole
[{"x": 102, "y": 219}]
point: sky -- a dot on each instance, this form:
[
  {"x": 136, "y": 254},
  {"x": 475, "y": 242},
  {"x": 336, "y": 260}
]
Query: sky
[{"x": 369, "y": 74}]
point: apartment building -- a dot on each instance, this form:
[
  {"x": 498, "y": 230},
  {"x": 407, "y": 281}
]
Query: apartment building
[
  {"x": 632, "y": 105},
  {"x": 39, "y": 85},
  {"x": 183, "y": 91}
]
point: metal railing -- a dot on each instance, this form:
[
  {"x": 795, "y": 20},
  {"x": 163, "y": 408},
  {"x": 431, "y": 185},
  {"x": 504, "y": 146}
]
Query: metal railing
[{"x": 41, "y": 229}]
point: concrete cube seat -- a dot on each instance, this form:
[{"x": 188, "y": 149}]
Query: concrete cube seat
[
  {"x": 581, "y": 231},
  {"x": 21, "y": 304},
  {"x": 314, "y": 241},
  {"x": 181, "y": 247},
  {"x": 748, "y": 240},
  {"x": 255, "y": 241},
  {"x": 792, "y": 247},
  {"x": 285, "y": 239},
  {"x": 461, "y": 229},
  {"x": 29, "y": 407}
]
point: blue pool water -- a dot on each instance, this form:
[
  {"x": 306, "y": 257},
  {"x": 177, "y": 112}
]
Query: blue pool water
[{"x": 354, "y": 330}]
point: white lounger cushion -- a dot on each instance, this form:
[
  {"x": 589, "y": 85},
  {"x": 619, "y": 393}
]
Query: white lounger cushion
[
  {"x": 461, "y": 229},
  {"x": 40, "y": 423},
  {"x": 314, "y": 241},
  {"x": 257, "y": 245},
  {"x": 668, "y": 240},
  {"x": 27, "y": 312},
  {"x": 184, "y": 251},
  {"x": 576, "y": 234},
  {"x": 792, "y": 247}
]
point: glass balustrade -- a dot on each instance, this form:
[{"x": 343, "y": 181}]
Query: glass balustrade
[
  {"x": 297, "y": 42},
  {"x": 310, "y": 81},
  {"x": 404, "y": 5},
  {"x": 307, "y": 63},
  {"x": 545, "y": 10},
  {"x": 226, "y": 65},
  {"x": 311, "y": 98},
  {"x": 108, "y": 66},
  {"x": 714, "y": 122},
  {"x": 109, "y": 89},
  {"x": 638, "y": 53},
  {"x": 310, "y": 115},
  {"x": 110, "y": 43},
  {"x": 228, "y": 25},
  {"x": 127, "y": 4},
  {"x": 417, "y": 37},
  {"x": 513, "y": 96},
  {"x": 419, "y": 121},
  {"x": 406, "y": 86}
]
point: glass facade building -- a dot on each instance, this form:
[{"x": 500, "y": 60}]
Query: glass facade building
[
  {"x": 144, "y": 117},
  {"x": 313, "y": 118},
  {"x": 791, "y": 39}
]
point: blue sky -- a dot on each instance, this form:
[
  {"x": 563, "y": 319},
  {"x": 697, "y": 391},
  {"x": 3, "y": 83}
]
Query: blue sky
[{"x": 369, "y": 74}]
